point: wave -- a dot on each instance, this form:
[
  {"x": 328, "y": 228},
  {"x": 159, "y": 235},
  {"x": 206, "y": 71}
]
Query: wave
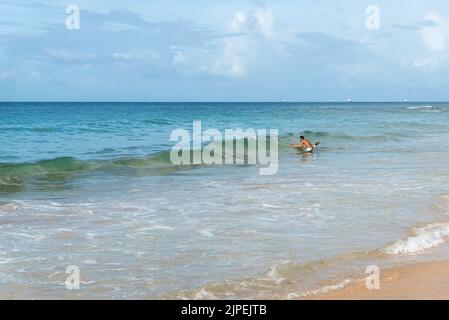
[
  {"x": 290, "y": 280},
  {"x": 14, "y": 177},
  {"x": 323, "y": 134},
  {"x": 424, "y": 238},
  {"x": 286, "y": 280},
  {"x": 8, "y": 207},
  {"x": 419, "y": 107},
  {"x": 326, "y": 289},
  {"x": 343, "y": 137},
  {"x": 430, "y": 109}
]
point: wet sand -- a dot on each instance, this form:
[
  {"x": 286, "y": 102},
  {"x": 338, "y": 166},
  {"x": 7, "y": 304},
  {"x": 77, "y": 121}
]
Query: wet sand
[{"x": 428, "y": 280}]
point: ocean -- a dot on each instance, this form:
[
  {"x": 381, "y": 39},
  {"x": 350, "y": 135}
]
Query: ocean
[{"x": 92, "y": 185}]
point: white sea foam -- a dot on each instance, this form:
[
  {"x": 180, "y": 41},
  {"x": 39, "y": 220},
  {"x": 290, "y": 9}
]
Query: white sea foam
[
  {"x": 420, "y": 107},
  {"x": 9, "y": 207},
  {"x": 204, "y": 295},
  {"x": 273, "y": 275},
  {"x": 322, "y": 290},
  {"x": 154, "y": 227},
  {"x": 424, "y": 238},
  {"x": 207, "y": 232},
  {"x": 269, "y": 206},
  {"x": 25, "y": 235},
  {"x": 267, "y": 219}
]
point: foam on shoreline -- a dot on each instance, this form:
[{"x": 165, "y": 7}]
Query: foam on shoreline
[{"x": 424, "y": 238}]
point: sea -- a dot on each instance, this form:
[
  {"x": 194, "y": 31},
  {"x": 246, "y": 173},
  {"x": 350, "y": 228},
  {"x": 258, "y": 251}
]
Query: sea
[{"x": 90, "y": 187}]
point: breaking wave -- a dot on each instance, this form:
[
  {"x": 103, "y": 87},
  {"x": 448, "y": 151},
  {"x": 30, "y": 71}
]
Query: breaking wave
[
  {"x": 14, "y": 177},
  {"x": 424, "y": 238},
  {"x": 420, "y": 107}
]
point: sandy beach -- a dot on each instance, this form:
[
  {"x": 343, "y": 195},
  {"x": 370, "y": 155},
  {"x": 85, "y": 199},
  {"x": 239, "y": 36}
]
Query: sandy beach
[{"x": 421, "y": 281}]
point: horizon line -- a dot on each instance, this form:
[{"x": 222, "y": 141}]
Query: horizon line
[{"x": 268, "y": 101}]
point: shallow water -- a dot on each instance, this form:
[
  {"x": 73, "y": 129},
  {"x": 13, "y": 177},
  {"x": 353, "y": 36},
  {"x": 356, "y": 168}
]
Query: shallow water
[{"x": 91, "y": 185}]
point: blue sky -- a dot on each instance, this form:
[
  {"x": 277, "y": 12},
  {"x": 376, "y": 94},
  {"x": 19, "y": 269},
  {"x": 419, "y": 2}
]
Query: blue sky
[{"x": 230, "y": 50}]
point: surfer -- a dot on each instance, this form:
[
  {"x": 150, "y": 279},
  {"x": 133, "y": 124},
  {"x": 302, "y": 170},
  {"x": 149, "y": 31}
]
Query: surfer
[{"x": 305, "y": 145}]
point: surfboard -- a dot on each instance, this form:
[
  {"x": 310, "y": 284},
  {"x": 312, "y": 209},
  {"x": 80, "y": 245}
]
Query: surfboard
[{"x": 297, "y": 147}]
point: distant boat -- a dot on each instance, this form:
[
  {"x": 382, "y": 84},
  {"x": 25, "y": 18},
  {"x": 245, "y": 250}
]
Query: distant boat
[
  {"x": 349, "y": 100},
  {"x": 405, "y": 100},
  {"x": 284, "y": 100}
]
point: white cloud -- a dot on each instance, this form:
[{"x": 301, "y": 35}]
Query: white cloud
[
  {"x": 260, "y": 20},
  {"x": 136, "y": 55},
  {"x": 178, "y": 58},
  {"x": 240, "y": 21},
  {"x": 231, "y": 62},
  {"x": 64, "y": 55},
  {"x": 237, "y": 51},
  {"x": 425, "y": 62},
  {"x": 436, "y": 36},
  {"x": 265, "y": 19},
  {"x": 122, "y": 56},
  {"x": 117, "y": 27}
]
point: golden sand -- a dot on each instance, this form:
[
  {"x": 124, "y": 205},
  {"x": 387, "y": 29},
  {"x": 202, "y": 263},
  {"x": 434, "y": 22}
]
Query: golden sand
[{"x": 428, "y": 280}]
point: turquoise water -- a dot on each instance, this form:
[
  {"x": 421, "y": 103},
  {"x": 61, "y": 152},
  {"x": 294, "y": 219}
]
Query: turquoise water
[{"x": 91, "y": 185}]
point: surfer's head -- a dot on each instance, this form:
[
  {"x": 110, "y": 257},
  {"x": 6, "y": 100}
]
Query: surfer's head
[{"x": 301, "y": 137}]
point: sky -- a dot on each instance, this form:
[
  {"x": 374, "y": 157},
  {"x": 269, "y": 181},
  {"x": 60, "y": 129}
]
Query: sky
[{"x": 197, "y": 50}]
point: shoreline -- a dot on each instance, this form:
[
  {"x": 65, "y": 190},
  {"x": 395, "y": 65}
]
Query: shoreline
[{"x": 417, "y": 281}]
